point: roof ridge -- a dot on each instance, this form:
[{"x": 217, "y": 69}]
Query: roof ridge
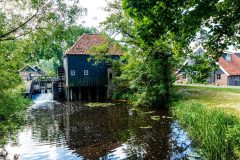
[{"x": 29, "y": 66}]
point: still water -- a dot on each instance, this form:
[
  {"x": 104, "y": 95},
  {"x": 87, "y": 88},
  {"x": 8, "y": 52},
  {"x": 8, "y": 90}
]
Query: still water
[{"x": 70, "y": 130}]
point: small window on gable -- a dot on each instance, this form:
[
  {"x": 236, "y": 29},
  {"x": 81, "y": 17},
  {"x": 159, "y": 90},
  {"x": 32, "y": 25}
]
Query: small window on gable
[
  {"x": 218, "y": 76},
  {"x": 72, "y": 72},
  {"x": 85, "y": 72}
]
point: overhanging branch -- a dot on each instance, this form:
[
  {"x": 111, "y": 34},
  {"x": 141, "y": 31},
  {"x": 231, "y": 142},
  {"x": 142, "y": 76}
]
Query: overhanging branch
[{"x": 2, "y": 37}]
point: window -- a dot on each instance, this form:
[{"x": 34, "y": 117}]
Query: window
[
  {"x": 72, "y": 73},
  {"x": 184, "y": 76},
  {"x": 218, "y": 76},
  {"x": 85, "y": 72}
]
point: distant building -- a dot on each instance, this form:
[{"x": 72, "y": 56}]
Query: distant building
[
  {"x": 83, "y": 78},
  {"x": 182, "y": 74},
  {"x": 28, "y": 72},
  {"x": 228, "y": 72}
]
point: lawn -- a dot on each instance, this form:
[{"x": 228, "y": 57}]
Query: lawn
[{"x": 226, "y": 98}]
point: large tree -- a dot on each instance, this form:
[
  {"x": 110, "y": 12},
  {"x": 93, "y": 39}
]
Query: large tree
[{"x": 160, "y": 31}]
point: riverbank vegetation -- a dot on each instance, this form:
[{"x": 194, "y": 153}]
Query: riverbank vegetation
[{"x": 210, "y": 117}]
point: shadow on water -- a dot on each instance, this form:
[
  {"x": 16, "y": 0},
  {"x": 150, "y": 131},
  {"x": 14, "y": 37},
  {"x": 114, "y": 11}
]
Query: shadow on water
[{"x": 70, "y": 130}]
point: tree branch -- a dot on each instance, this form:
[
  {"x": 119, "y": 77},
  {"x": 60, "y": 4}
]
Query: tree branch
[{"x": 2, "y": 37}]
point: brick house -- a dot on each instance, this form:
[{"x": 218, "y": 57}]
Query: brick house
[{"x": 228, "y": 72}]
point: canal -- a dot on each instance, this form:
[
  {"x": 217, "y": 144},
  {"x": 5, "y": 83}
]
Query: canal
[{"x": 71, "y": 130}]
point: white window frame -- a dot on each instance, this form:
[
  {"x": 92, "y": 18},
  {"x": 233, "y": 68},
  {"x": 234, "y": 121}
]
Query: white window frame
[
  {"x": 85, "y": 72},
  {"x": 72, "y": 72}
]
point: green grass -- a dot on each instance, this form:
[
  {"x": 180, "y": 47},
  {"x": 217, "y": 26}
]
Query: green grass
[
  {"x": 225, "y": 98},
  {"x": 209, "y": 115}
]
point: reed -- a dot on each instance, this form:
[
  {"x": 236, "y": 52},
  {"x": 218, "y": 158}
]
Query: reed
[{"x": 215, "y": 133}]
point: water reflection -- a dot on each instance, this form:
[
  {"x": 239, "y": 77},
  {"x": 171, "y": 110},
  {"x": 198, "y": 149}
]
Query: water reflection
[{"x": 71, "y": 130}]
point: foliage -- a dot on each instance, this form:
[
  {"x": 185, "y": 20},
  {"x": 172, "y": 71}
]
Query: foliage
[
  {"x": 200, "y": 70},
  {"x": 52, "y": 43},
  {"x": 144, "y": 80},
  {"x": 214, "y": 132},
  {"x": 20, "y": 17}
]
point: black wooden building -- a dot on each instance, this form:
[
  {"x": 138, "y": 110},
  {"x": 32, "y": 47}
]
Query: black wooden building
[{"x": 84, "y": 79}]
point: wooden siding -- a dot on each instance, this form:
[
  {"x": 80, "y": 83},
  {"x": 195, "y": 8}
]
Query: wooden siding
[
  {"x": 97, "y": 74},
  {"x": 234, "y": 80}
]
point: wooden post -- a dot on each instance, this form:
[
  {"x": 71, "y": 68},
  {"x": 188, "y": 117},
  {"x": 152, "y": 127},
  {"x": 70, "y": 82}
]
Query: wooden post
[
  {"x": 79, "y": 93},
  {"x": 71, "y": 94},
  {"x": 98, "y": 92},
  {"x": 89, "y": 93},
  {"x": 68, "y": 94}
]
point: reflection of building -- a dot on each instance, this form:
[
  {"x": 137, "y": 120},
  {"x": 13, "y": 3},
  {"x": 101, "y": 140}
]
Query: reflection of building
[
  {"x": 93, "y": 133},
  {"x": 28, "y": 72}
]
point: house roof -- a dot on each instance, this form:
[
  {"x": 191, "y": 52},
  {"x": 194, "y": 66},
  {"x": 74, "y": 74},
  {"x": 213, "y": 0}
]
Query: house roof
[
  {"x": 84, "y": 44},
  {"x": 230, "y": 67},
  {"x": 39, "y": 69},
  {"x": 27, "y": 66}
]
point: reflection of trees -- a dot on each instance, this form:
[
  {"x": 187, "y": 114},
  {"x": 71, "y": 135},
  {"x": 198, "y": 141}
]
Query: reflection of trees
[
  {"x": 148, "y": 143},
  {"x": 45, "y": 125},
  {"x": 93, "y": 132}
]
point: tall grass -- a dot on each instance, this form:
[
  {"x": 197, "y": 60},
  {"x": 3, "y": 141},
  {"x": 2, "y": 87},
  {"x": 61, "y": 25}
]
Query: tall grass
[{"x": 215, "y": 133}]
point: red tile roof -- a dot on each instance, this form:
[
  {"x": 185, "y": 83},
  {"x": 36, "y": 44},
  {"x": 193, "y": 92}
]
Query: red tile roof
[
  {"x": 87, "y": 41},
  {"x": 231, "y": 67}
]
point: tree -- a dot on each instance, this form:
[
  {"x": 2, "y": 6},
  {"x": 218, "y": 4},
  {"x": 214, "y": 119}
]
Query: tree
[{"x": 158, "y": 32}]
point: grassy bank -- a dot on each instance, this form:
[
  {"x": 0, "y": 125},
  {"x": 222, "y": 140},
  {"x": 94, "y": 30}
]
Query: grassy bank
[{"x": 210, "y": 117}]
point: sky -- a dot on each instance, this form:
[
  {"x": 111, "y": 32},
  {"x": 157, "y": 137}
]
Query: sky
[{"x": 95, "y": 15}]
